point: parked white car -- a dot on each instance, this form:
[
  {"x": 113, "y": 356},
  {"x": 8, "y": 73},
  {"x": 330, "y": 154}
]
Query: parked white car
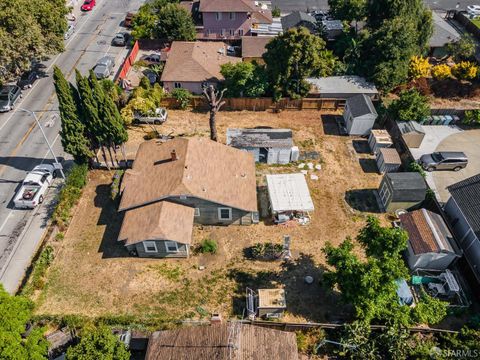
[
  {"x": 34, "y": 187},
  {"x": 473, "y": 10},
  {"x": 159, "y": 116}
]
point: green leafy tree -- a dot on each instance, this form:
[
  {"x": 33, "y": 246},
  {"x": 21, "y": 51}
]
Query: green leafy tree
[
  {"x": 472, "y": 117},
  {"x": 429, "y": 310},
  {"x": 15, "y": 313},
  {"x": 174, "y": 23},
  {"x": 73, "y": 131},
  {"x": 183, "y": 97},
  {"x": 144, "y": 22},
  {"x": 100, "y": 344},
  {"x": 410, "y": 106},
  {"x": 347, "y": 10},
  {"x": 244, "y": 79},
  {"x": 293, "y": 56},
  {"x": 463, "y": 49},
  {"x": 276, "y": 12}
]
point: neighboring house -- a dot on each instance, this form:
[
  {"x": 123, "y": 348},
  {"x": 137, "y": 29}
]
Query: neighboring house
[
  {"x": 231, "y": 19},
  {"x": 463, "y": 210},
  {"x": 253, "y": 47},
  {"x": 231, "y": 341},
  {"x": 271, "y": 146},
  {"x": 359, "y": 115},
  {"x": 341, "y": 87},
  {"x": 402, "y": 190},
  {"x": 332, "y": 29},
  {"x": 431, "y": 246},
  {"x": 173, "y": 185},
  {"x": 193, "y": 65},
  {"x": 412, "y": 133},
  {"x": 443, "y": 34},
  {"x": 299, "y": 19}
]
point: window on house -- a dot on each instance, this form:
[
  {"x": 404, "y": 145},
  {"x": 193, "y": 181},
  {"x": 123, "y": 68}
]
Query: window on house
[
  {"x": 218, "y": 16},
  {"x": 240, "y": 32},
  {"x": 222, "y": 32},
  {"x": 224, "y": 213},
  {"x": 177, "y": 85},
  {"x": 150, "y": 246},
  {"x": 232, "y": 16},
  {"x": 197, "y": 212},
  {"x": 171, "y": 246},
  {"x": 231, "y": 32}
]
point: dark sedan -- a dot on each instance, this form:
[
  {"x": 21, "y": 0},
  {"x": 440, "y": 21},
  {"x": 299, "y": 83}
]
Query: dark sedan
[{"x": 27, "y": 79}]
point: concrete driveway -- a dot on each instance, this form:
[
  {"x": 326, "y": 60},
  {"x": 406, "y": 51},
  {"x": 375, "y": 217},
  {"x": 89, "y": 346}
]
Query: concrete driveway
[{"x": 469, "y": 143}]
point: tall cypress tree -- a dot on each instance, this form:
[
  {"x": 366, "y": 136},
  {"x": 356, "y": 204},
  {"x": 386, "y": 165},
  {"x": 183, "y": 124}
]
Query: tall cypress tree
[{"x": 73, "y": 131}]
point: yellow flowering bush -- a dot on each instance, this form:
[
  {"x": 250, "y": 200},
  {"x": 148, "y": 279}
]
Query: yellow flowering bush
[
  {"x": 419, "y": 67},
  {"x": 441, "y": 72},
  {"x": 465, "y": 70}
]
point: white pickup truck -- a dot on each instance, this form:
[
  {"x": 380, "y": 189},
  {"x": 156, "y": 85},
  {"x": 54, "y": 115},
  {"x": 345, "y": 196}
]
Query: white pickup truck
[{"x": 34, "y": 187}]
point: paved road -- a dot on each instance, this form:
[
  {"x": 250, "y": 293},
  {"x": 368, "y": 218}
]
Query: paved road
[{"x": 21, "y": 143}]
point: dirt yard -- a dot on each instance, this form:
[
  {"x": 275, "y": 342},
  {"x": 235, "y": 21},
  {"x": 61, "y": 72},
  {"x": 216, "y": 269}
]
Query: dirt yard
[{"x": 93, "y": 275}]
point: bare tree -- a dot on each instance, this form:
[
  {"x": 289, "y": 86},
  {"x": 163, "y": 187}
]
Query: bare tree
[{"x": 215, "y": 102}]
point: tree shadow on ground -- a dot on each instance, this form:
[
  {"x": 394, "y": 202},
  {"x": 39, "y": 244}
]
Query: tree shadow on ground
[
  {"x": 368, "y": 166},
  {"x": 315, "y": 302},
  {"x": 361, "y": 146},
  {"x": 364, "y": 200},
  {"x": 112, "y": 219}
]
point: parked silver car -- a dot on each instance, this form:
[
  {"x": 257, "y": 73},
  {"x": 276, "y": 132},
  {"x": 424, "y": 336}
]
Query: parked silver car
[
  {"x": 104, "y": 67},
  {"x": 157, "y": 117},
  {"x": 70, "y": 31},
  {"x": 444, "y": 160}
]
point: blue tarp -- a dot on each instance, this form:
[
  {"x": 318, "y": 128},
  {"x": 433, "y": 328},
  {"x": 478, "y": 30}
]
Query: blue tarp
[{"x": 405, "y": 296}]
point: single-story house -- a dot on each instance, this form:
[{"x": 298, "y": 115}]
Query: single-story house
[
  {"x": 411, "y": 132},
  {"x": 230, "y": 341},
  {"x": 388, "y": 160},
  {"x": 253, "y": 47},
  {"x": 299, "y": 19},
  {"x": 194, "y": 64},
  {"x": 402, "y": 190},
  {"x": 463, "y": 210},
  {"x": 273, "y": 146},
  {"x": 431, "y": 245},
  {"x": 175, "y": 184},
  {"x": 289, "y": 195},
  {"x": 443, "y": 34},
  {"x": 379, "y": 139},
  {"x": 359, "y": 115},
  {"x": 341, "y": 87}
]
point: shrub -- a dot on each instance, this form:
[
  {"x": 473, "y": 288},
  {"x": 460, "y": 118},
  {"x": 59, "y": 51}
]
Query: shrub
[
  {"x": 266, "y": 250},
  {"x": 418, "y": 67},
  {"x": 39, "y": 269},
  {"x": 429, "y": 310},
  {"x": 411, "y": 105},
  {"x": 465, "y": 70},
  {"x": 182, "y": 96},
  {"x": 60, "y": 236},
  {"x": 472, "y": 117},
  {"x": 115, "y": 187},
  {"x": 415, "y": 167},
  {"x": 441, "y": 72},
  {"x": 276, "y": 11},
  {"x": 153, "y": 134},
  {"x": 77, "y": 177},
  {"x": 208, "y": 246}
]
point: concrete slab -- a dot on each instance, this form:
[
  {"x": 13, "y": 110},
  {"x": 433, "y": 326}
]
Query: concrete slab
[{"x": 434, "y": 135}]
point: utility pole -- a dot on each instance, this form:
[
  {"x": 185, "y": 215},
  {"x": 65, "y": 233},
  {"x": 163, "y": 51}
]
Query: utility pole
[{"x": 57, "y": 165}]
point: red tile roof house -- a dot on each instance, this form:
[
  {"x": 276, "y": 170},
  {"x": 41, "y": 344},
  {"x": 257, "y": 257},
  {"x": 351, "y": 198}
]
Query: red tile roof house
[
  {"x": 231, "y": 19},
  {"x": 192, "y": 65}
]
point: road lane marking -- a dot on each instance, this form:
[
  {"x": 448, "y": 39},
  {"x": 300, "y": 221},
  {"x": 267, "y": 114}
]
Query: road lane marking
[{"x": 5, "y": 221}]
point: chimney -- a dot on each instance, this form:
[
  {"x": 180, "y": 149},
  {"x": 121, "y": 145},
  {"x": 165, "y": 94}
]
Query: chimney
[
  {"x": 216, "y": 319},
  {"x": 174, "y": 155}
]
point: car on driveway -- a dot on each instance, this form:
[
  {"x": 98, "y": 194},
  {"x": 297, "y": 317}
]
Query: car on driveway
[
  {"x": 34, "y": 186},
  {"x": 152, "y": 59},
  {"x": 9, "y": 95},
  {"x": 120, "y": 39},
  {"x": 88, "y": 5},
  {"x": 27, "y": 79},
  {"x": 444, "y": 160},
  {"x": 104, "y": 67}
]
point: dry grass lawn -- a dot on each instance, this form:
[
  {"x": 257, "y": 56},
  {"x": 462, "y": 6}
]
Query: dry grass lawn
[{"x": 93, "y": 275}]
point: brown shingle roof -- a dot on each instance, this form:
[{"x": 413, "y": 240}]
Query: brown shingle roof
[
  {"x": 254, "y": 46},
  {"x": 427, "y": 231},
  {"x": 390, "y": 155},
  {"x": 212, "y": 343},
  {"x": 196, "y": 61},
  {"x": 204, "y": 169},
  {"x": 162, "y": 220}
]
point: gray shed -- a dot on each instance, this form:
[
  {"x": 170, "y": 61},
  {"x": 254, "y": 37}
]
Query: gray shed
[
  {"x": 412, "y": 133},
  {"x": 273, "y": 146},
  {"x": 402, "y": 190},
  {"x": 379, "y": 139},
  {"x": 388, "y": 160},
  {"x": 341, "y": 87},
  {"x": 359, "y": 115}
]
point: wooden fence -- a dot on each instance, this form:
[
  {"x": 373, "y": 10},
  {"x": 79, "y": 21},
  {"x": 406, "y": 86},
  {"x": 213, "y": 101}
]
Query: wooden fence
[{"x": 263, "y": 104}]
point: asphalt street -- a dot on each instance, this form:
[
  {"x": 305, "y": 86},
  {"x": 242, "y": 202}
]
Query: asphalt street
[{"x": 21, "y": 143}]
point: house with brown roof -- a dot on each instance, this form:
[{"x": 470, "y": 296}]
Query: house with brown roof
[
  {"x": 194, "y": 64},
  {"x": 431, "y": 245},
  {"x": 231, "y": 341},
  {"x": 253, "y": 47},
  {"x": 175, "y": 184}
]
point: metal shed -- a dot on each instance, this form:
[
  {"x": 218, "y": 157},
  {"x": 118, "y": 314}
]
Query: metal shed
[
  {"x": 388, "y": 160},
  {"x": 379, "y": 139},
  {"x": 412, "y": 133},
  {"x": 402, "y": 190},
  {"x": 359, "y": 115},
  {"x": 289, "y": 193},
  {"x": 273, "y": 146}
]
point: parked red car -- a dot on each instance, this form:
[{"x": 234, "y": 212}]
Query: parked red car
[{"x": 88, "y": 5}]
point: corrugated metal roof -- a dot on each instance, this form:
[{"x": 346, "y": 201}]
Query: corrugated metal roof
[
  {"x": 466, "y": 194},
  {"x": 289, "y": 192},
  {"x": 266, "y": 138}
]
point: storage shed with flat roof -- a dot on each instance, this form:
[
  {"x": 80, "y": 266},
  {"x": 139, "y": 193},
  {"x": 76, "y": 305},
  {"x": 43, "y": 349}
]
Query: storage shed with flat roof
[{"x": 402, "y": 190}]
